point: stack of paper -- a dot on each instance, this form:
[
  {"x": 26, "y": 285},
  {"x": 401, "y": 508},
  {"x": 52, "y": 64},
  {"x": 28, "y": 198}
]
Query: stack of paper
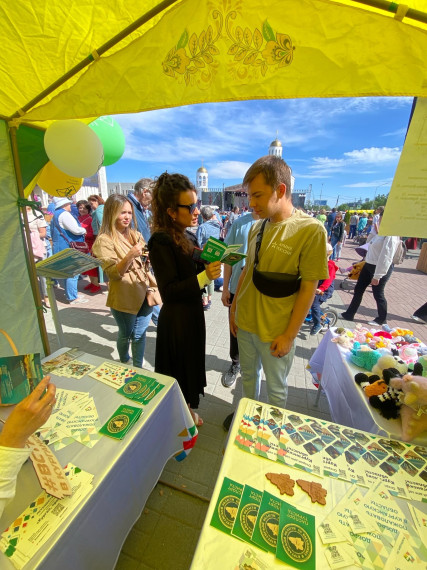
[
  {"x": 43, "y": 517},
  {"x": 75, "y": 418},
  {"x": 326, "y": 449},
  {"x": 141, "y": 389}
]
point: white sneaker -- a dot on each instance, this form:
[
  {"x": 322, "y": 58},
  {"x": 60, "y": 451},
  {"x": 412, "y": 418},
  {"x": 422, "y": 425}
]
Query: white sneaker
[{"x": 418, "y": 320}]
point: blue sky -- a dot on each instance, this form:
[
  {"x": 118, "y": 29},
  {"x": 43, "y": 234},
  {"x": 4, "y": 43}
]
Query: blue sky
[{"x": 346, "y": 148}]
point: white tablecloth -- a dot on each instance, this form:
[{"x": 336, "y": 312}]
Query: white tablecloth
[
  {"x": 125, "y": 473},
  {"x": 347, "y": 402}
]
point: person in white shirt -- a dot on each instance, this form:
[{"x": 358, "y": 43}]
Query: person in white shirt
[
  {"x": 375, "y": 223},
  {"x": 23, "y": 421},
  {"x": 375, "y": 272}
]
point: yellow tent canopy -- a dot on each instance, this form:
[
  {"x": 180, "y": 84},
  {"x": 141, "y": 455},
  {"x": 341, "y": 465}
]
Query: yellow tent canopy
[{"x": 80, "y": 59}]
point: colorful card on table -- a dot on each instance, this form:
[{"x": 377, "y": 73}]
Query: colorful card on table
[
  {"x": 121, "y": 422},
  {"x": 73, "y": 369},
  {"x": 50, "y": 365},
  {"x": 113, "y": 374},
  {"x": 296, "y": 542},
  {"x": 247, "y": 513},
  {"x": 227, "y": 505},
  {"x": 267, "y": 524}
]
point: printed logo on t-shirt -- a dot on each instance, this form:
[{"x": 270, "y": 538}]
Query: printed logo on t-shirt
[{"x": 283, "y": 248}]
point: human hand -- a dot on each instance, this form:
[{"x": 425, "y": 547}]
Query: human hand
[
  {"x": 28, "y": 415},
  {"x": 136, "y": 251},
  {"x": 213, "y": 270},
  {"x": 225, "y": 297},
  {"x": 375, "y": 281},
  {"x": 280, "y": 346},
  {"x": 319, "y": 292}
]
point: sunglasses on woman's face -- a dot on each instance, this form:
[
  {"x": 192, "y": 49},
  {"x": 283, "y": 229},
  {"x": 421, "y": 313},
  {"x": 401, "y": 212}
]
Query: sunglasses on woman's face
[{"x": 190, "y": 207}]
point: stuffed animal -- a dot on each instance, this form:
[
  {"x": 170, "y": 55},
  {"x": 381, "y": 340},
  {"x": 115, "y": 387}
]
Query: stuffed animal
[
  {"x": 364, "y": 356},
  {"x": 343, "y": 340},
  {"x": 388, "y": 404},
  {"x": 414, "y": 410},
  {"x": 389, "y": 361},
  {"x": 381, "y": 395},
  {"x": 409, "y": 353}
]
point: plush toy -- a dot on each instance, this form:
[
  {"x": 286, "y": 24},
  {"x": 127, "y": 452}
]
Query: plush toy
[
  {"x": 389, "y": 361},
  {"x": 343, "y": 340},
  {"x": 364, "y": 356},
  {"x": 409, "y": 353},
  {"x": 388, "y": 404},
  {"x": 362, "y": 334},
  {"x": 371, "y": 385},
  {"x": 414, "y": 410}
]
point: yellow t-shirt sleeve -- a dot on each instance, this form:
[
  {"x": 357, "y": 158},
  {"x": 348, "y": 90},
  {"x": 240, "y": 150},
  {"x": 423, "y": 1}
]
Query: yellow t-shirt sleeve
[{"x": 313, "y": 259}]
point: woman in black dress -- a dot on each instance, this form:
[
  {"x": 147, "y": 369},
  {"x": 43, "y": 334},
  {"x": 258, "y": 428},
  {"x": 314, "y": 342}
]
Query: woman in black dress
[{"x": 180, "y": 347}]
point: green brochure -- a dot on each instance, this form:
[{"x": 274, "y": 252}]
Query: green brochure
[
  {"x": 296, "y": 543},
  {"x": 216, "y": 250},
  {"x": 227, "y": 505},
  {"x": 121, "y": 422},
  {"x": 267, "y": 524},
  {"x": 247, "y": 513}
]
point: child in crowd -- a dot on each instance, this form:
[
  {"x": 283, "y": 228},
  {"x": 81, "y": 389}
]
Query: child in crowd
[{"x": 323, "y": 292}]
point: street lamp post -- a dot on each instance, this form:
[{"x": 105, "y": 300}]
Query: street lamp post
[{"x": 379, "y": 186}]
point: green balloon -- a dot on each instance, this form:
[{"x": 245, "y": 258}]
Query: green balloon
[{"x": 112, "y": 138}]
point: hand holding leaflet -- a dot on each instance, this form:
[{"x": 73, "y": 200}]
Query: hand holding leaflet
[{"x": 216, "y": 250}]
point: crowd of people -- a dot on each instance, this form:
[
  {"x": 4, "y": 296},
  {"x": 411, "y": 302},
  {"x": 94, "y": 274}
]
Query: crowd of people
[{"x": 151, "y": 240}]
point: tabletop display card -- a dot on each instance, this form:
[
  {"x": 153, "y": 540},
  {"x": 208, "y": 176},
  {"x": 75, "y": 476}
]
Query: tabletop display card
[
  {"x": 327, "y": 449},
  {"x": 112, "y": 374},
  {"x": 267, "y": 524},
  {"x": 247, "y": 513},
  {"x": 121, "y": 422},
  {"x": 227, "y": 505},
  {"x": 296, "y": 541},
  {"x": 49, "y": 471},
  {"x": 49, "y": 365}
]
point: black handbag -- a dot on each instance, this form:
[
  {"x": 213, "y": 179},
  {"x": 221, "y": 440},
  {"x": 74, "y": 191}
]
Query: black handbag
[{"x": 271, "y": 283}]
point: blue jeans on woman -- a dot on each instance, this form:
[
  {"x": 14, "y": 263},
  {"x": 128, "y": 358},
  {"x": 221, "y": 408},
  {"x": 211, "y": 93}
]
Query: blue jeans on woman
[
  {"x": 132, "y": 329},
  {"x": 334, "y": 241}
]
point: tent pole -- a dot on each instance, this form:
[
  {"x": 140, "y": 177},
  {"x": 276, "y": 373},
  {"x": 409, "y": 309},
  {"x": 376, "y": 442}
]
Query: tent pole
[
  {"x": 90, "y": 58},
  {"x": 388, "y": 6},
  {"x": 29, "y": 250}
]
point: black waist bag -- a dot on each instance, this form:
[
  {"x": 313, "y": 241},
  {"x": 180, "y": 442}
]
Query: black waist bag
[{"x": 270, "y": 283}]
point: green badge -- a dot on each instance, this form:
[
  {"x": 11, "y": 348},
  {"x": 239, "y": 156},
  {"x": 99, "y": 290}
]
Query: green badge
[{"x": 121, "y": 422}]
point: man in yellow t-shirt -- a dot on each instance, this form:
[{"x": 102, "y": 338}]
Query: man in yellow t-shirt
[{"x": 292, "y": 243}]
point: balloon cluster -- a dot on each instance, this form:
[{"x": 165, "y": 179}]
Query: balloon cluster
[{"x": 77, "y": 151}]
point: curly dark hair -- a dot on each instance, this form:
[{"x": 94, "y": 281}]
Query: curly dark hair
[{"x": 166, "y": 191}]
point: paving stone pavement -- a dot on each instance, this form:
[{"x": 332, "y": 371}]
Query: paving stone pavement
[{"x": 166, "y": 534}]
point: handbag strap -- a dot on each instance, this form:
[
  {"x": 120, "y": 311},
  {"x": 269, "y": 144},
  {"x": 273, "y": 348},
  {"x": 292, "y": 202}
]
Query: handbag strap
[
  {"x": 258, "y": 242},
  {"x": 55, "y": 221}
]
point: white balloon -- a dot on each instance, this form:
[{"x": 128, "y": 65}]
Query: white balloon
[{"x": 74, "y": 148}]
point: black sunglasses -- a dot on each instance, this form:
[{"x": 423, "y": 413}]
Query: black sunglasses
[{"x": 190, "y": 207}]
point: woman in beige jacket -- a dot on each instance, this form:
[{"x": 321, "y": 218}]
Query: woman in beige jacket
[{"x": 120, "y": 248}]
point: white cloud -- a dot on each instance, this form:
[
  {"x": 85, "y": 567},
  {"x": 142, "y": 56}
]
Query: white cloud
[
  {"x": 371, "y": 184},
  {"x": 373, "y": 156},
  {"x": 229, "y": 169}
]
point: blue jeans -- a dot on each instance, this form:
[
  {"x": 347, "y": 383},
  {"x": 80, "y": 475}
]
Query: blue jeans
[
  {"x": 254, "y": 355},
  {"x": 334, "y": 241},
  {"x": 155, "y": 314},
  {"x": 132, "y": 329},
  {"x": 70, "y": 286}
]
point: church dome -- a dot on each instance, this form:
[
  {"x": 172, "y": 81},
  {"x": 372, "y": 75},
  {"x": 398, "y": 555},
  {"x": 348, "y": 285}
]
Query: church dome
[
  {"x": 201, "y": 169},
  {"x": 276, "y": 143}
]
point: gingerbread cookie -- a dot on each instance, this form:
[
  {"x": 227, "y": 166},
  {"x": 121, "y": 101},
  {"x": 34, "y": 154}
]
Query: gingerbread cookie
[
  {"x": 315, "y": 490},
  {"x": 283, "y": 482}
]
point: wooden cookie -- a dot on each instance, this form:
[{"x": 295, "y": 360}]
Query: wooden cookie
[
  {"x": 315, "y": 490},
  {"x": 283, "y": 482}
]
